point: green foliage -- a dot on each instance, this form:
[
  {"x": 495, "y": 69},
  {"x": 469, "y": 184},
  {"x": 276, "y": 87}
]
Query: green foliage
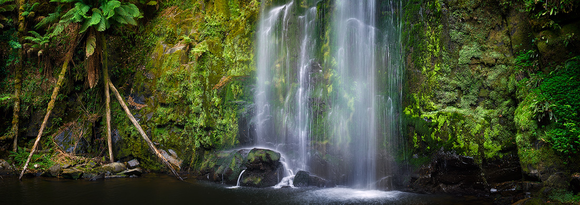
[
  {"x": 196, "y": 63},
  {"x": 561, "y": 89},
  {"x": 38, "y": 43},
  {"x": 102, "y": 17},
  {"x": 527, "y": 61},
  {"x": 5, "y": 7},
  {"x": 42, "y": 159},
  {"x": 549, "y": 7},
  {"x": 29, "y": 10},
  {"x": 564, "y": 196}
]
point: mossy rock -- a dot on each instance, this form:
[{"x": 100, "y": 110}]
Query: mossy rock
[
  {"x": 72, "y": 173},
  {"x": 262, "y": 155},
  {"x": 263, "y": 168}
]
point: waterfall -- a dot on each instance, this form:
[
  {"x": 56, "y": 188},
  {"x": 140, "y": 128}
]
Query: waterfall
[
  {"x": 240, "y": 177},
  {"x": 283, "y": 66},
  {"x": 333, "y": 107}
]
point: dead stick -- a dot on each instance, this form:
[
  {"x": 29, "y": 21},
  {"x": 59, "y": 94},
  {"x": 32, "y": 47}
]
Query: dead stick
[
  {"x": 49, "y": 109},
  {"x": 151, "y": 146}
]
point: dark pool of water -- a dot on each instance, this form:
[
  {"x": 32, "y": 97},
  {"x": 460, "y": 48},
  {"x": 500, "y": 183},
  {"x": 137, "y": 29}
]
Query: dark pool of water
[{"x": 164, "y": 189}]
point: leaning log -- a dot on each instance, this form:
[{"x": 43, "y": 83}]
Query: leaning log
[
  {"x": 49, "y": 109},
  {"x": 136, "y": 124}
]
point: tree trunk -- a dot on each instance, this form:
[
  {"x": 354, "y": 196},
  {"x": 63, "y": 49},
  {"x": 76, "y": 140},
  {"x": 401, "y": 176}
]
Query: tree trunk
[
  {"x": 136, "y": 124},
  {"x": 18, "y": 76},
  {"x": 50, "y": 107},
  {"x": 107, "y": 97}
]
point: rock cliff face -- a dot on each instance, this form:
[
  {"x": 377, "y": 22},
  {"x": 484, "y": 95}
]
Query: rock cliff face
[{"x": 467, "y": 88}]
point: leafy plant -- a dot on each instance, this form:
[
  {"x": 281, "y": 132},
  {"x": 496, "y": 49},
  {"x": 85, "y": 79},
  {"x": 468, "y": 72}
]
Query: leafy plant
[
  {"x": 564, "y": 196},
  {"x": 29, "y": 10},
  {"x": 42, "y": 159},
  {"x": 527, "y": 61},
  {"x": 561, "y": 90},
  {"x": 539, "y": 8},
  {"x": 4, "y": 7},
  {"x": 19, "y": 157},
  {"x": 96, "y": 16},
  {"x": 38, "y": 43}
]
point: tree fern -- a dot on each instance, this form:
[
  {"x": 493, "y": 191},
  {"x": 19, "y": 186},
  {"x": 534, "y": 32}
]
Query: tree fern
[{"x": 37, "y": 42}]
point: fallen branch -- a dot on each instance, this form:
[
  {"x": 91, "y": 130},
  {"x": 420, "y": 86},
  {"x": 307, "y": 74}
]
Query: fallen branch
[
  {"x": 49, "y": 109},
  {"x": 136, "y": 124}
]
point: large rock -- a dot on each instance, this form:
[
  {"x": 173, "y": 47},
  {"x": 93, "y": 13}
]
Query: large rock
[
  {"x": 558, "y": 180},
  {"x": 502, "y": 170},
  {"x": 223, "y": 167},
  {"x": 55, "y": 170},
  {"x": 301, "y": 179},
  {"x": 305, "y": 179},
  {"x": 72, "y": 173},
  {"x": 263, "y": 168},
  {"x": 133, "y": 163},
  {"x": 4, "y": 165},
  {"x": 450, "y": 173},
  {"x": 114, "y": 167}
]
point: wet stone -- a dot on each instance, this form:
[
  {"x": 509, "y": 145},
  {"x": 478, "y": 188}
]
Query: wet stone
[
  {"x": 114, "y": 167},
  {"x": 133, "y": 163}
]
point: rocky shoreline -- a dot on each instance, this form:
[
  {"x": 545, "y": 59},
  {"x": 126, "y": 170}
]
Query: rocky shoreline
[{"x": 448, "y": 173}]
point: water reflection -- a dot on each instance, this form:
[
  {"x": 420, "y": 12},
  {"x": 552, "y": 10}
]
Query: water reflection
[{"x": 164, "y": 189}]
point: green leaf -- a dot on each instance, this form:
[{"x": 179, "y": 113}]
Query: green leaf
[
  {"x": 103, "y": 25},
  {"x": 93, "y": 20},
  {"x": 109, "y": 8},
  {"x": 132, "y": 10},
  {"x": 59, "y": 29},
  {"x": 120, "y": 19},
  {"x": 37, "y": 35},
  {"x": 121, "y": 11},
  {"x": 152, "y": 3},
  {"x": 83, "y": 7},
  {"x": 91, "y": 45},
  {"x": 68, "y": 17},
  {"x": 130, "y": 20},
  {"x": 51, "y": 18}
]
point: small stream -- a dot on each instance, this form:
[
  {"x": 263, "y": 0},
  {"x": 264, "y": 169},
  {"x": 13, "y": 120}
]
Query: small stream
[{"x": 164, "y": 189}]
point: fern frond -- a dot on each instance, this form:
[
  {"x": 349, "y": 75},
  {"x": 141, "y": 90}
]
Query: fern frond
[
  {"x": 50, "y": 19},
  {"x": 109, "y": 8}
]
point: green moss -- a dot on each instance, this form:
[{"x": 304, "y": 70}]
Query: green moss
[{"x": 468, "y": 52}]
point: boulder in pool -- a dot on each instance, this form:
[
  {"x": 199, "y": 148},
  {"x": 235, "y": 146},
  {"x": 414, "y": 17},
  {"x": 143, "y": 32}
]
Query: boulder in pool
[{"x": 263, "y": 168}]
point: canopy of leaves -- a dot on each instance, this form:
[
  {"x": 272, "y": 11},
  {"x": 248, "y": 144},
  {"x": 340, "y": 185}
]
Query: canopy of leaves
[{"x": 101, "y": 14}]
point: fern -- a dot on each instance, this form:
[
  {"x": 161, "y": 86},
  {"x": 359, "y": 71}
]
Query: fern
[
  {"x": 39, "y": 42},
  {"x": 50, "y": 19},
  {"x": 5, "y": 8}
]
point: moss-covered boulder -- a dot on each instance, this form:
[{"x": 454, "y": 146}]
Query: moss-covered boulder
[
  {"x": 263, "y": 168},
  {"x": 114, "y": 167},
  {"x": 222, "y": 167},
  {"x": 72, "y": 173}
]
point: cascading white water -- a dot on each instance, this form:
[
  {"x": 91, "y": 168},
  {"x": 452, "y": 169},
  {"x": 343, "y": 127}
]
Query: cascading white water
[
  {"x": 284, "y": 66},
  {"x": 240, "y": 177},
  {"x": 356, "y": 109},
  {"x": 336, "y": 116}
]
